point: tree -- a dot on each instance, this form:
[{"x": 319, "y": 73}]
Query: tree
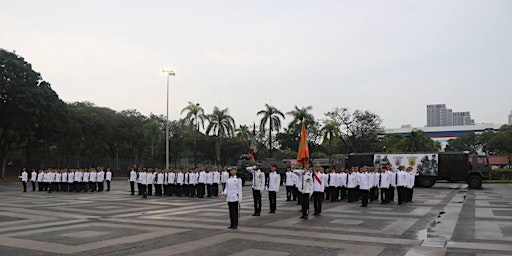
[
  {"x": 22, "y": 104},
  {"x": 502, "y": 141},
  {"x": 272, "y": 116},
  {"x": 359, "y": 130},
  {"x": 195, "y": 116},
  {"x": 299, "y": 115},
  {"x": 153, "y": 134},
  {"x": 330, "y": 131},
  {"x": 222, "y": 125},
  {"x": 244, "y": 135},
  {"x": 467, "y": 142},
  {"x": 418, "y": 141}
]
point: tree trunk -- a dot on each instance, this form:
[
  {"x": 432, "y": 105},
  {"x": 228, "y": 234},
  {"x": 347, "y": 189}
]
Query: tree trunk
[
  {"x": 3, "y": 164},
  {"x": 270, "y": 137}
]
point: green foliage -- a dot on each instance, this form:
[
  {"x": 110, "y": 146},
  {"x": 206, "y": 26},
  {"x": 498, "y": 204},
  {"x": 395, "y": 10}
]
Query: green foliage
[
  {"x": 501, "y": 174},
  {"x": 470, "y": 142},
  {"x": 502, "y": 141},
  {"x": 272, "y": 116}
]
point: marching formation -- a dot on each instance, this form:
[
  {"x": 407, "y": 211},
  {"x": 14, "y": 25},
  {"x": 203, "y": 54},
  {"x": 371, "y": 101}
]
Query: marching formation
[{"x": 72, "y": 180}]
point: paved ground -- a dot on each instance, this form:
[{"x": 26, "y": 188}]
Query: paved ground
[{"x": 445, "y": 220}]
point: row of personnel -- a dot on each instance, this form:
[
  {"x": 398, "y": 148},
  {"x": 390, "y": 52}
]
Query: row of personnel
[{"x": 67, "y": 180}]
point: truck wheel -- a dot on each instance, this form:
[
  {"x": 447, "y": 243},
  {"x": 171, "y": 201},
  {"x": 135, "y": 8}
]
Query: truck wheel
[
  {"x": 475, "y": 182},
  {"x": 427, "y": 182}
]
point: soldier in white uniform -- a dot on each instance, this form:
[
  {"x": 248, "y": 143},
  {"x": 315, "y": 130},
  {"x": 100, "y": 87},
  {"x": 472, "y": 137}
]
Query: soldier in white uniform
[
  {"x": 351, "y": 185},
  {"x": 343, "y": 184},
  {"x": 159, "y": 183},
  {"x": 274, "y": 181},
  {"x": 40, "y": 184},
  {"x": 193, "y": 182},
  {"x": 132, "y": 180},
  {"x": 201, "y": 181},
  {"x": 180, "y": 180},
  {"x": 58, "y": 180},
  {"x": 318, "y": 189},
  {"x": 392, "y": 184},
  {"x": 384, "y": 185},
  {"x": 409, "y": 185},
  {"x": 365, "y": 180},
  {"x": 92, "y": 180},
  {"x": 64, "y": 181},
  {"x": 224, "y": 177},
  {"x": 401, "y": 180},
  {"x": 24, "y": 178},
  {"x": 258, "y": 184},
  {"x": 305, "y": 188},
  {"x": 143, "y": 181},
  {"x": 150, "y": 180},
  {"x": 209, "y": 182},
  {"x": 108, "y": 178},
  {"x": 71, "y": 181},
  {"x": 289, "y": 176},
  {"x": 233, "y": 194},
  {"x": 333, "y": 183},
  {"x": 79, "y": 176},
  {"x": 33, "y": 179},
  {"x": 172, "y": 182},
  {"x": 100, "y": 179},
  {"x": 215, "y": 182}
]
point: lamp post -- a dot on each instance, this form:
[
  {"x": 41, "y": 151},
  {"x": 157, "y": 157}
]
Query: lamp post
[{"x": 167, "y": 72}]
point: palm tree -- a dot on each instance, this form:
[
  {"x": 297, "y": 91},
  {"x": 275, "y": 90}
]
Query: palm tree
[
  {"x": 195, "y": 116},
  {"x": 153, "y": 134},
  {"x": 243, "y": 134},
  {"x": 299, "y": 115},
  {"x": 222, "y": 125},
  {"x": 273, "y": 116},
  {"x": 329, "y": 132}
]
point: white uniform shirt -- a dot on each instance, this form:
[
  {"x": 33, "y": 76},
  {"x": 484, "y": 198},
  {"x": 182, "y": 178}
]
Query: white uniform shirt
[
  {"x": 392, "y": 179},
  {"x": 202, "y": 177},
  {"x": 64, "y": 177},
  {"x": 40, "y": 177},
  {"x": 258, "y": 178},
  {"x": 401, "y": 179},
  {"x": 351, "y": 180},
  {"x": 384, "y": 180},
  {"x": 172, "y": 178},
  {"x": 100, "y": 176},
  {"x": 58, "y": 177},
  {"x": 233, "y": 190},
  {"x": 150, "y": 177},
  {"x": 289, "y": 178},
  {"x": 79, "y": 176},
  {"x": 108, "y": 175},
  {"x": 304, "y": 181},
  {"x": 143, "y": 178},
  {"x": 160, "y": 178},
  {"x": 133, "y": 175},
  {"x": 180, "y": 178},
  {"x": 33, "y": 176},
  {"x": 410, "y": 180},
  {"x": 216, "y": 177},
  {"x": 209, "y": 178},
  {"x": 224, "y": 176},
  {"x": 93, "y": 176},
  {"x": 71, "y": 177},
  {"x": 274, "y": 181},
  {"x": 318, "y": 182},
  {"x": 364, "y": 181},
  {"x": 343, "y": 179},
  {"x": 333, "y": 179},
  {"x": 192, "y": 178},
  {"x": 24, "y": 176}
]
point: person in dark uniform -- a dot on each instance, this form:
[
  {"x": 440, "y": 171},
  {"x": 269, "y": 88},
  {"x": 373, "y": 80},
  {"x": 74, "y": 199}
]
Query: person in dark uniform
[{"x": 233, "y": 194}]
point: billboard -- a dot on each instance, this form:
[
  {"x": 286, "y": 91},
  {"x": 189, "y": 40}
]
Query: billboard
[{"x": 421, "y": 164}]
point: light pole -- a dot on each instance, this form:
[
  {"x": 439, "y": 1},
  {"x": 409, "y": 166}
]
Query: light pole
[{"x": 167, "y": 72}]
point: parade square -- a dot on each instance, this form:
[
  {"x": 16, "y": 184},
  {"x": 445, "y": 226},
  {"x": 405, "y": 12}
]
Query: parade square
[{"x": 117, "y": 223}]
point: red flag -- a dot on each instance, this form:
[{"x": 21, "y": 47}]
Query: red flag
[{"x": 303, "y": 154}]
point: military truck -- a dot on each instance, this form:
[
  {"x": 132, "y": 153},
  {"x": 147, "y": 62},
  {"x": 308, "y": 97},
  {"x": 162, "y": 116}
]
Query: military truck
[
  {"x": 265, "y": 164},
  {"x": 431, "y": 167}
]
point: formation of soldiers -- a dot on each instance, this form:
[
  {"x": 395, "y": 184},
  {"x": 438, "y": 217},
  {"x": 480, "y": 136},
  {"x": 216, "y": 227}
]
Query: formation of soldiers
[
  {"x": 365, "y": 184},
  {"x": 67, "y": 180},
  {"x": 194, "y": 182}
]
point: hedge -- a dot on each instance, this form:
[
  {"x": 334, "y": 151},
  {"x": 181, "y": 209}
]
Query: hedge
[{"x": 501, "y": 174}]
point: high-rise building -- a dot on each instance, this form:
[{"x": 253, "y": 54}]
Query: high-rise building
[
  {"x": 439, "y": 115},
  {"x": 462, "y": 118},
  {"x": 510, "y": 118}
]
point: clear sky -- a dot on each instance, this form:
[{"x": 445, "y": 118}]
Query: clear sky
[{"x": 390, "y": 57}]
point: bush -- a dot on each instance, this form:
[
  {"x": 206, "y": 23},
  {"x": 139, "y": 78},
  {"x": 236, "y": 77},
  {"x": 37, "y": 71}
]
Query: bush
[{"x": 501, "y": 174}]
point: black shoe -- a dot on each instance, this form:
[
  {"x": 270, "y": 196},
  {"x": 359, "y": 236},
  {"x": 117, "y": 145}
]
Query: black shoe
[
  {"x": 271, "y": 212},
  {"x": 306, "y": 217},
  {"x": 256, "y": 214},
  {"x": 364, "y": 206},
  {"x": 231, "y": 228}
]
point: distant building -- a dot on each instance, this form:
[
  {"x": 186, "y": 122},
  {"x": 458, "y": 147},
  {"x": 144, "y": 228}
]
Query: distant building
[
  {"x": 510, "y": 118},
  {"x": 444, "y": 134},
  {"x": 462, "y": 118},
  {"x": 439, "y": 115}
]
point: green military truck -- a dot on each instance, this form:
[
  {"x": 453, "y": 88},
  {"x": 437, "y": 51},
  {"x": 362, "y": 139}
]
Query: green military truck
[{"x": 431, "y": 167}]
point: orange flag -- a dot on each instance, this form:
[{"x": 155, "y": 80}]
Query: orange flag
[{"x": 303, "y": 154}]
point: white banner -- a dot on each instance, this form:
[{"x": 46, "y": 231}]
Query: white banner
[{"x": 421, "y": 164}]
